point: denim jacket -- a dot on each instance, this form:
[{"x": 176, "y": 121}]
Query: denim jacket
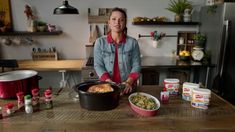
[{"x": 128, "y": 57}]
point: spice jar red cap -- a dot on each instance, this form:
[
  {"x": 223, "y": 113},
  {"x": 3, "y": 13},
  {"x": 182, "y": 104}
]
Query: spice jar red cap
[
  {"x": 47, "y": 92},
  {"x": 9, "y": 105},
  {"x": 35, "y": 91},
  {"x": 19, "y": 94}
]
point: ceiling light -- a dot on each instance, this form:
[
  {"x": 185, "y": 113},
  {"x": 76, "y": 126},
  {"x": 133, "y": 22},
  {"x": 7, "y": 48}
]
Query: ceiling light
[{"x": 65, "y": 9}]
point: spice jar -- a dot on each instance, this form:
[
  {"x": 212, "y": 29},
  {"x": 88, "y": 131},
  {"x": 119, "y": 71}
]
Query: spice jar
[
  {"x": 48, "y": 99},
  {"x": 187, "y": 15},
  {"x": 1, "y": 113},
  {"x": 20, "y": 100},
  {"x": 181, "y": 40},
  {"x": 35, "y": 99},
  {"x": 28, "y": 104},
  {"x": 9, "y": 108}
]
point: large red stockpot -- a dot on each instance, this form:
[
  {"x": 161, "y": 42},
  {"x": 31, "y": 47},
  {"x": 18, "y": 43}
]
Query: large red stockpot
[{"x": 17, "y": 81}]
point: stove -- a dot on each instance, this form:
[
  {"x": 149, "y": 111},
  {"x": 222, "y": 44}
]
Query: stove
[{"x": 88, "y": 71}]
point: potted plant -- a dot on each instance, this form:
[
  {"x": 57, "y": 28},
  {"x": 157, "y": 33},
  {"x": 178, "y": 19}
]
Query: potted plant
[
  {"x": 199, "y": 39},
  {"x": 41, "y": 26},
  {"x": 178, "y": 7}
]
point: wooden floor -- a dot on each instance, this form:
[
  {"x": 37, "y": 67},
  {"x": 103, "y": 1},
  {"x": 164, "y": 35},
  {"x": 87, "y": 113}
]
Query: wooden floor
[{"x": 68, "y": 116}]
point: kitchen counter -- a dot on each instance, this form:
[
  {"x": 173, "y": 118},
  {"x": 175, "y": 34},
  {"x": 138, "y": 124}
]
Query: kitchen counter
[
  {"x": 169, "y": 62},
  {"x": 146, "y": 62},
  {"x": 45, "y": 65},
  {"x": 178, "y": 115}
]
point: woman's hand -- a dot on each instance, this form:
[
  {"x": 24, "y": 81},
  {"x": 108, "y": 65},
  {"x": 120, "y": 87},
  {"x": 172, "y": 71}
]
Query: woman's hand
[
  {"x": 108, "y": 80},
  {"x": 128, "y": 88}
]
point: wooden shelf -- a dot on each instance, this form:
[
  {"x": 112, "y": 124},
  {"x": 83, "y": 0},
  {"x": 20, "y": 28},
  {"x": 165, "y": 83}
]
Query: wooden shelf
[
  {"x": 165, "y": 23},
  {"x": 98, "y": 19},
  {"x": 89, "y": 45},
  {"x": 185, "y": 36},
  {"x": 23, "y": 33},
  {"x": 186, "y": 44}
]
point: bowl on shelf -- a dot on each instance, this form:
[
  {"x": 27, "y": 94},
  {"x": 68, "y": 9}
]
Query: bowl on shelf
[
  {"x": 41, "y": 28},
  {"x": 184, "y": 58},
  {"x": 138, "y": 104}
]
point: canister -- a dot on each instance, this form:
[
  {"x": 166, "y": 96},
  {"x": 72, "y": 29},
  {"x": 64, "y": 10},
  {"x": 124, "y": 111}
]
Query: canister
[
  {"x": 187, "y": 90},
  {"x": 201, "y": 98},
  {"x": 172, "y": 85}
]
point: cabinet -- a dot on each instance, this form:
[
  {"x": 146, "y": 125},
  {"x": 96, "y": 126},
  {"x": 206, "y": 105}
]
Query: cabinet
[
  {"x": 149, "y": 76},
  {"x": 185, "y": 41}
]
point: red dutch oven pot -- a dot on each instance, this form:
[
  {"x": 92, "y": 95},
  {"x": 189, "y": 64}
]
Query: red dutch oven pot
[{"x": 17, "y": 81}]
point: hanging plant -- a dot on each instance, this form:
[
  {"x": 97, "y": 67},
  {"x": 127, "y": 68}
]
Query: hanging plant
[{"x": 155, "y": 36}]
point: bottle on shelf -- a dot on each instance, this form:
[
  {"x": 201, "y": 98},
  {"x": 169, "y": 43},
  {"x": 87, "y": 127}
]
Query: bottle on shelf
[{"x": 187, "y": 15}]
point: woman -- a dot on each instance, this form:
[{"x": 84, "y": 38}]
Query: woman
[{"x": 117, "y": 55}]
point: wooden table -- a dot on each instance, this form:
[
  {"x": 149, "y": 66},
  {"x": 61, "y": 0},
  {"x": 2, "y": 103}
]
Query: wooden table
[{"x": 178, "y": 115}]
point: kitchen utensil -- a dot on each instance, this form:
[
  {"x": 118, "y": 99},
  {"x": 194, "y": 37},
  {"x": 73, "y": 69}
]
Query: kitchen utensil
[
  {"x": 39, "y": 50},
  {"x": 6, "y": 41},
  {"x": 16, "y": 41},
  {"x": 141, "y": 111},
  {"x": 90, "y": 34},
  {"x": 34, "y": 50},
  {"x": 17, "y": 81},
  {"x": 97, "y": 101},
  {"x": 94, "y": 34},
  {"x": 97, "y": 31}
]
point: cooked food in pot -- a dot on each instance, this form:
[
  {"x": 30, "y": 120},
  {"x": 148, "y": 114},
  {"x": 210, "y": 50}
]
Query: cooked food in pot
[
  {"x": 100, "y": 88},
  {"x": 143, "y": 102}
]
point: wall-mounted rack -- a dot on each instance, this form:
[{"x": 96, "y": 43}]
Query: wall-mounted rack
[{"x": 140, "y": 36}]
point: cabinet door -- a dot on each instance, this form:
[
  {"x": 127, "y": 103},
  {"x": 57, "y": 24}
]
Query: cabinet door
[
  {"x": 182, "y": 74},
  {"x": 185, "y": 41},
  {"x": 150, "y": 77}
]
